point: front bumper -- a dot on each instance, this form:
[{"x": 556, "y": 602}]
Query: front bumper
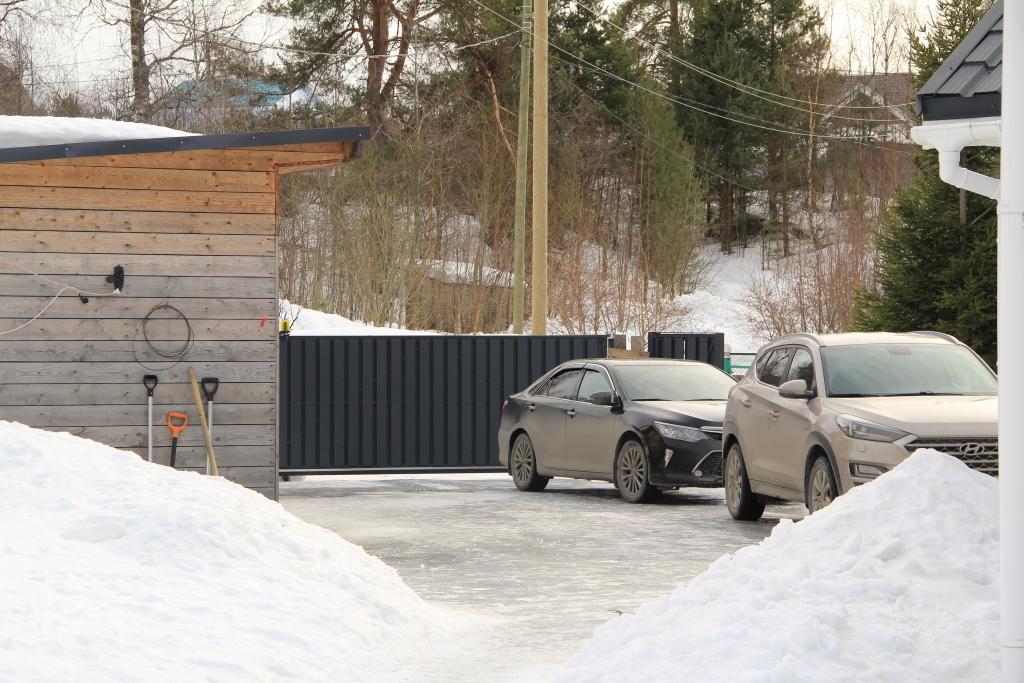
[{"x": 692, "y": 463}]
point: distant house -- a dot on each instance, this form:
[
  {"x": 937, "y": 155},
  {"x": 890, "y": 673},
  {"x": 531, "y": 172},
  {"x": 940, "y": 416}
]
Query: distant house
[
  {"x": 237, "y": 93},
  {"x": 460, "y": 297},
  {"x": 881, "y": 100}
]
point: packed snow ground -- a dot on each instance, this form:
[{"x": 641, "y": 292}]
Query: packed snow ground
[
  {"x": 115, "y": 569},
  {"x": 896, "y": 581}
]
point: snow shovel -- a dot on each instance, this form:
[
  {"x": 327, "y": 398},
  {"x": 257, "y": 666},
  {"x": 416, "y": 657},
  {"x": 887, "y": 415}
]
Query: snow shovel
[
  {"x": 210, "y": 391},
  {"x": 150, "y": 383},
  {"x": 175, "y": 430}
]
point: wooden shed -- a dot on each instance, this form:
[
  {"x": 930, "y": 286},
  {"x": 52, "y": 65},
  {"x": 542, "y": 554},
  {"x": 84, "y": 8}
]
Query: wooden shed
[{"x": 192, "y": 220}]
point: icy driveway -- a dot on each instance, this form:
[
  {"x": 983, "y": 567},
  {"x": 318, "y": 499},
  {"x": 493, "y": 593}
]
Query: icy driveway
[{"x": 538, "y": 570}]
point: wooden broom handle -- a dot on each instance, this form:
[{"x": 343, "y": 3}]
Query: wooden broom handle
[{"x": 202, "y": 422}]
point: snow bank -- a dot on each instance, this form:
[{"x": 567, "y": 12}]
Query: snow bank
[
  {"x": 115, "y": 569},
  {"x": 33, "y": 131},
  {"x": 897, "y": 581},
  {"x": 308, "y": 322}
]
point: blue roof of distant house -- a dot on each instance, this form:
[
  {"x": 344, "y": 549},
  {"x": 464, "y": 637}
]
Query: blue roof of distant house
[
  {"x": 969, "y": 83},
  {"x": 232, "y": 92}
]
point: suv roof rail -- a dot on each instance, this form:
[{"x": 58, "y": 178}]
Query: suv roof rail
[
  {"x": 941, "y": 335},
  {"x": 803, "y": 335}
]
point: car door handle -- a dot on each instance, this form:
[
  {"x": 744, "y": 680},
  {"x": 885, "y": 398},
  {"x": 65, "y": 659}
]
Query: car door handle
[
  {"x": 746, "y": 403},
  {"x": 531, "y": 407},
  {"x": 571, "y": 412},
  {"x": 773, "y": 413}
]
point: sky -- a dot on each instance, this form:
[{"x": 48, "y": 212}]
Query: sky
[{"x": 79, "y": 50}]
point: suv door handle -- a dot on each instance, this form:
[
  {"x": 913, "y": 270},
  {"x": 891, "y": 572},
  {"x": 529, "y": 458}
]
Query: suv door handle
[
  {"x": 746, "y": 403},
  {"x": 531, "y": 407},
  {"x": 571, "y": 412},
  {"x": 773, "y": 413}
]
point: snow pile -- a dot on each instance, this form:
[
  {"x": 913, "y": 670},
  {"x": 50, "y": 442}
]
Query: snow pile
[
  {"x": 33, "y": 131},
  {"x": 895, "y": 581},
  {"x": 115, "y": 569},
  {"x": 308, "y": 322}
]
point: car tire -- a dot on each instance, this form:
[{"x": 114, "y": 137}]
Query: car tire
[
  {"x": 744, "y": 505},
  {"x": 633, "y": 473},
  {"x": 523, "y": 466},
  {"x": 821, "y": 486}
]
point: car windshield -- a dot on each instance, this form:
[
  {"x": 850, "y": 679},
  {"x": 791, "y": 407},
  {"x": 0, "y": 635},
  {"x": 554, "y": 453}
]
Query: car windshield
[
  {"x": 677, "y": 382},
  {"x": 905, "y": 370}
]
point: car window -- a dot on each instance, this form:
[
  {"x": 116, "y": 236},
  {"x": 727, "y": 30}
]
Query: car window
[
  {"x": 802, "y": 367},
  {"x": 774, "y": 367},
  {"x": 593, "y": 382},
  {"x": 905, "y": 370},
  {"x": 563, "y": 385}
]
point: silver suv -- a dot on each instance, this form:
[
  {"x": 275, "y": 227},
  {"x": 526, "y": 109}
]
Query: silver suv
[{"x": 816, "y": 415}]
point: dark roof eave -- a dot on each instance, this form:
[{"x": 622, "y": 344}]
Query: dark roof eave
[
  {"x": 188, "y": 143},
  {"x": 939, "y": 108}
]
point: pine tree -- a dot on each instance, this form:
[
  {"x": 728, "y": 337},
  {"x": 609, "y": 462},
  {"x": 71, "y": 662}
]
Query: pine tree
[{"x": 936, "y": 267}]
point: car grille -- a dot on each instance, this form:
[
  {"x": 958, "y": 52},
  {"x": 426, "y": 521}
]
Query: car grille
[
  {"x": 711, "y": 464},
  {"x": 978, "y": 453}
]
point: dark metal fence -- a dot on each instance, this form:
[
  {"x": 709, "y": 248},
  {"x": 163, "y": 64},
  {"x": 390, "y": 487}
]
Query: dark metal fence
[
  {"x": 709, "y": 348},
  {"x": 407, "y": 403}
]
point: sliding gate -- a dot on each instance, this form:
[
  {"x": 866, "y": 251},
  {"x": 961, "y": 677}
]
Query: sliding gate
[{"x": 393, "y": 404}]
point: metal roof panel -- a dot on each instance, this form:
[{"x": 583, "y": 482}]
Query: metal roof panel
[{"x": 989, "y": 51}]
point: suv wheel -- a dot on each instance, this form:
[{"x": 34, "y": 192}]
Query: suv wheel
[
  {"x": 821, "y": 486},
  {"x": 743, "y": 503}
]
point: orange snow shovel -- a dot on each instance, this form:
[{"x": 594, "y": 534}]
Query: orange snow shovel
[{"x": 175, "y": 430}]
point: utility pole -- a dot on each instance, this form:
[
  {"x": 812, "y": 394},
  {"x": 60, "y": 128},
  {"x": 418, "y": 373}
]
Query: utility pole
[
  {"x": 522, "y": 160},
  {"x": 539, "y": 317}
]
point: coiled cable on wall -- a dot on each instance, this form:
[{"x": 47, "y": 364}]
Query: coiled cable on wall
[{"x": 176, "y": 354}]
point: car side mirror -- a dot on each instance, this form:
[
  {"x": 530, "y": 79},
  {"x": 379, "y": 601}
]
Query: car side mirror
[
  {"x": 602, "y": 398},
  {"x": 795, "y": 388}
]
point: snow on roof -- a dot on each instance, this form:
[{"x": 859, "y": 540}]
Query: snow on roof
[
  {"x": 35, "y": 131},
  {"x": 116, "y": 569},
  {"x": 897, "y": 580}
]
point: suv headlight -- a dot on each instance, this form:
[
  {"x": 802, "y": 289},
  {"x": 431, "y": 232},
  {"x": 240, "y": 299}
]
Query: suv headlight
[
  {"x": 858, "y": 428},
  {"x": 679, "y": 432}
]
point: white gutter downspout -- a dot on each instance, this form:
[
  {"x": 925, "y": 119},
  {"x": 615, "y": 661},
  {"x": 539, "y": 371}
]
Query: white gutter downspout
[
  {"x": 1010, "y": 331},
  {"x": 949, "y": 139}
]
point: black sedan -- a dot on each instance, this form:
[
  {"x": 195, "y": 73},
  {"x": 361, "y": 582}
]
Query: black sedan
[{"x": 646, "y": 425}]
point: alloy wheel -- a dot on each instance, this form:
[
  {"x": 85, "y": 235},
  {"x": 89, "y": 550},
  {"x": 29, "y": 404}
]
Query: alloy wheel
[
  {"x": 821, "y": 490},
  {"x": 733, "y": 482},
  {"x": 522, "y": 461},
  {"x": 632, "y": 469}
]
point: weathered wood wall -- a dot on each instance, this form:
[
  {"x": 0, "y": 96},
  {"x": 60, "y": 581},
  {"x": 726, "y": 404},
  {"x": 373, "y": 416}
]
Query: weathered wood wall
[{"x": 197, "y": 230}]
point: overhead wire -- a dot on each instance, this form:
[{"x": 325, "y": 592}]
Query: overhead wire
[
  {"x": 854, "y": 139},
  {"x": 748, "y": 89},
  {"x": 707, "y": 170}
]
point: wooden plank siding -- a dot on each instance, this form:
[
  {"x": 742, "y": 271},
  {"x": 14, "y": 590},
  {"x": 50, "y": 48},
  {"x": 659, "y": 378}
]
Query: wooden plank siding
[{"x": 197, "y": 230}]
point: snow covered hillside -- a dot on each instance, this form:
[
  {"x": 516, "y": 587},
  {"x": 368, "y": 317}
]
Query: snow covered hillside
[
  {"x": 895, "y": 581},
  {"x": 115, "y": 569}
]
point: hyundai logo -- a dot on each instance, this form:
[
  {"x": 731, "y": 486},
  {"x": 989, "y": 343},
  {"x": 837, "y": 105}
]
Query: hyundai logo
[{"x": 971, "y": 448}]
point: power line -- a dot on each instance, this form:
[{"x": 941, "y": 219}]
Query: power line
[
  {"x": 749, "y": 89},
  {"x": 773, "y": 127},
  {"x": 707, "y": 170}
]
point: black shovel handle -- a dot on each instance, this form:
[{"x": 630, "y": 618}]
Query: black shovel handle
[
  {"x": 207, "y": 390},
  {"x": 150, "y": 382}
]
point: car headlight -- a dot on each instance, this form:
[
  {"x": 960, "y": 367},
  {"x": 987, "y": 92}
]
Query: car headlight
[
  {"x": 679, "y": 432},
  {"x": 858, "y": 428}
]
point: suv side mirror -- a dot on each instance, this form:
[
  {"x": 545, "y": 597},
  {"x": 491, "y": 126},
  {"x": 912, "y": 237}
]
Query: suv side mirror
[
  {"x": 795, "y": 388},
  {"x": 602, "y": 398}
]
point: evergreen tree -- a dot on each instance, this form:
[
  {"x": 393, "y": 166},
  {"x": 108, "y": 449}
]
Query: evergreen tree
[
  {"x": 936, "y": 266},
  {"x": 753, "y": 43}
]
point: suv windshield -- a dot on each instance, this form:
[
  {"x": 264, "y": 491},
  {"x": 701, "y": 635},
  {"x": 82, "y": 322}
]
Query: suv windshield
[
  {"x": 905, "y": 370},
  {"x": 678, "y": 382}
]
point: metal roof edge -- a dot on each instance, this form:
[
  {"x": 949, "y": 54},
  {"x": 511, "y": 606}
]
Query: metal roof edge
[
  {"x": 187, "y": 143},
  {"x": 966, "y": 46},
  {"x": 955, "y": 107}
]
